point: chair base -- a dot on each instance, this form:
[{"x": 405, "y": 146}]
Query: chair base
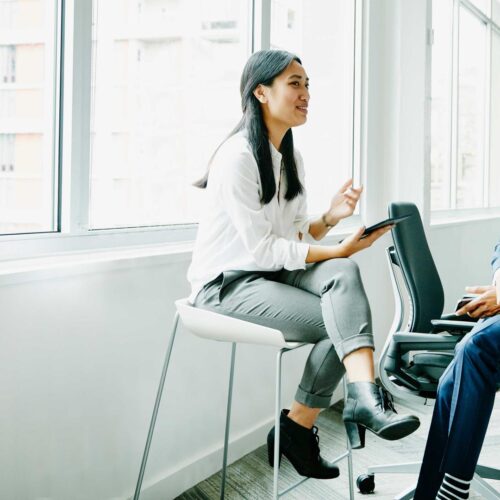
[{"x": 478, "y": 483}]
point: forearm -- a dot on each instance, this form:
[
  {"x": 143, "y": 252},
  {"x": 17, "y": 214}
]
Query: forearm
[
  {"x": 320, "y": 227},
  {"x": 318, "y": 253},
  {"x": 349, "y": 246}
]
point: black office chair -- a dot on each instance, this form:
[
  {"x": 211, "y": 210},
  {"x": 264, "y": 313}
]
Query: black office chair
[{"x": 411, "y": 363}]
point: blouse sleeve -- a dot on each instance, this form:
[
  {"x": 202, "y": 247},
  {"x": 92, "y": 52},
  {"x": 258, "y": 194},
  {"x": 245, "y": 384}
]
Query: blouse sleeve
[
  {"x": 239, "y": 185},
  {"x": 302, "y": 219}
]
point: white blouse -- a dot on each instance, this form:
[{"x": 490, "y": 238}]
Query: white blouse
[{"x": 237, "y": 231}]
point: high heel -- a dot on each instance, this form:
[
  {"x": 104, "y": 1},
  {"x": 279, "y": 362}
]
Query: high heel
[
  {"x": 356, "y": 434},
  {"x": 301, "y": 446},
  {"x": 370, "y": 407}
]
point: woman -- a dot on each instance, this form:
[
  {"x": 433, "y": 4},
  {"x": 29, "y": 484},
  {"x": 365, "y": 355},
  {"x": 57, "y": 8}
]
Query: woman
[{"x": 251, "y": 261}]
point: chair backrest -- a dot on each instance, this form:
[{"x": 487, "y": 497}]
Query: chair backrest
[{"x": 417, "y": 266}]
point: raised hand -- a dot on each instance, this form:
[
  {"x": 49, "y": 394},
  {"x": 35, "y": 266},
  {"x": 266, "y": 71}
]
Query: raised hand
[{"x": 343, "y": 202}]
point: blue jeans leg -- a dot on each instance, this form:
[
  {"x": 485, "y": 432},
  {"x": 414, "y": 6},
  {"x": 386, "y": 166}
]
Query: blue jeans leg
[{"x": 464, "y": 403}]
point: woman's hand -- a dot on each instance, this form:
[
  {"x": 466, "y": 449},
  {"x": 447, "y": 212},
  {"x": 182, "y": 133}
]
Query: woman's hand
[
  {"x": 354, "y": 243},
  {"x": 343, "y": 203}
]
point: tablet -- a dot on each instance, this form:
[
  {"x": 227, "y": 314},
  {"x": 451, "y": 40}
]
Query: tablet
[{"x": 386, "y": 222}]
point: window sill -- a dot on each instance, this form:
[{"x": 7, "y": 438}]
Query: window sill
[
  {"x": 446, "y": 218},
  {"x": 40, "y": 245},
  {"x": 89, "y": 260},
  {"x": 75, "y": 263}
]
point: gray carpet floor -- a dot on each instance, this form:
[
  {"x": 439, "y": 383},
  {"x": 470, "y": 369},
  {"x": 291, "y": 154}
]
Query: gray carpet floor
[{"x": 251, "y": 477}]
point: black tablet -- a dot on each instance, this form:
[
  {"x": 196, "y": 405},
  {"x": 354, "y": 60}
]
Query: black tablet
[{"x": 386, "y": 222}]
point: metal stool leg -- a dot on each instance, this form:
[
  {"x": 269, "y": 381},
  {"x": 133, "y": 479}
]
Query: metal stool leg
[
  {"x": 349, "y": 451},
  {"x": 156, "y": 407},
  {"x": 277, "y": 412},
  {"x": 228, "y": 420},
  {"x": 347, "y": 454}
]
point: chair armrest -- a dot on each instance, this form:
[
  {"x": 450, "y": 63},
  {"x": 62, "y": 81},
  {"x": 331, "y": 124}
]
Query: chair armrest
[
  {"x": 411, "y": 341},
  {"x": 404, "y": 342},
  {"x": 452, "y": 326},
  {"x": 461, "y": 317}
]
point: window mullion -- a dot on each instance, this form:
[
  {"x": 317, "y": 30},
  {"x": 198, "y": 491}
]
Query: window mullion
[
  {"x": 454, "y": 105},
  {"x": 487, "y": 117},
  {"x": 427, "y": 115},
  {"x": 58, "y": 122},
  {"x": 262, "y": 28},
  {"x": 359, "y": 64},
  {"x": 76, "y": 123}
]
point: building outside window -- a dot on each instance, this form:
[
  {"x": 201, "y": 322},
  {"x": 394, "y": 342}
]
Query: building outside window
[
  {"x": 27, "y": 115},
  {"x": 165, "y": 94}
]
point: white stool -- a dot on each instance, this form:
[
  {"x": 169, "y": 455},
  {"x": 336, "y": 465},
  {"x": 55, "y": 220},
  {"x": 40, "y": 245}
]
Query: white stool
[{"x": 216, "y": 326}]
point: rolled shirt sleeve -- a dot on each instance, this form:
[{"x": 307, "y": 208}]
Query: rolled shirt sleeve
[{"x": 240, "y": 191}]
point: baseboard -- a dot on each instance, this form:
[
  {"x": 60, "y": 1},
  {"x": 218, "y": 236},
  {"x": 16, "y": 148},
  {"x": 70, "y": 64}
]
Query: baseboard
[{"x": 175, "y": 481}]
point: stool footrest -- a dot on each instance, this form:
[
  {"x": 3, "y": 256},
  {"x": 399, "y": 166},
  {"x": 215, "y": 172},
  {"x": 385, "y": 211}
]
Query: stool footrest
[{"x": 290, "y": 488}]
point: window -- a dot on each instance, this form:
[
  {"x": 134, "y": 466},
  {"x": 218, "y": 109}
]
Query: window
[
  {"x": 322, "y": 34},
  {"x": 27, "y": 116},
  {"x": 165, "y": 94},
  {"x": 465, "y": 166},
  {"x": 151, "y": 88}
]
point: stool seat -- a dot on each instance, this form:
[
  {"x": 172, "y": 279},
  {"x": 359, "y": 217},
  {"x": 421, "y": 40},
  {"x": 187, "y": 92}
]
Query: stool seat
[{"x": 216, "y": 326}]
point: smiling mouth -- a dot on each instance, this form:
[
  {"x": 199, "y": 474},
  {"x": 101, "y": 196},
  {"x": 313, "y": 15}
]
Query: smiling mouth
[{"x": 302, "y": 108}]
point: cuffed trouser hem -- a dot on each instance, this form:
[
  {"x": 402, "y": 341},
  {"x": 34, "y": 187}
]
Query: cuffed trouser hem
[
  {"x": 312, "y": 400},
  {"x": 354, "y": 343}
]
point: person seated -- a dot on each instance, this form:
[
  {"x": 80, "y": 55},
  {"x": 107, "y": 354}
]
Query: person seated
[
  {"x": 251, "y": 261},
  {"x": 465, "y": 398}
]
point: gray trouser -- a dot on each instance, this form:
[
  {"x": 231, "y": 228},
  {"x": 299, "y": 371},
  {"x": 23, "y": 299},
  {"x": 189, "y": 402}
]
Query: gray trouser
[{"x": 324, "y": 304}]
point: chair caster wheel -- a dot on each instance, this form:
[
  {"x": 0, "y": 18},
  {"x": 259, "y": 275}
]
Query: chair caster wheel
[{"x": 366, "y": 483}]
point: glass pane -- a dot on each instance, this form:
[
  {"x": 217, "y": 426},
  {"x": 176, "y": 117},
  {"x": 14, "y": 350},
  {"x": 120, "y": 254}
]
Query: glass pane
[
  {"x": 494, "y": 181},
  {"x": 27, "y": 113},
  {"x": 165, "y": 94},
  {"x": 321, "y": 33},
  {"x": 471, "y": 94},
  {"x": 442, "y": 20},
  {"x": 496, "y": 11},
  {"x": 483, "y": 5}
]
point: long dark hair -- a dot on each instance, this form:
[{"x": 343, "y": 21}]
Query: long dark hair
[{"x": 261, "y": 69}]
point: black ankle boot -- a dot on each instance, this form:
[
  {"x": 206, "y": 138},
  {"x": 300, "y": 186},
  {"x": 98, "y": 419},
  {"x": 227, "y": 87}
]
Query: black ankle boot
[
  {"x": 370, "y": 407},
  {"x": 301, "y": 446}
]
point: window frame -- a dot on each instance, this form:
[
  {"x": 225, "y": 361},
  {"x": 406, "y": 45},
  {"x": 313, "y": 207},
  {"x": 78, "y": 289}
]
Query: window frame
[
  {"x": 443, "y": 216},
  {"x": 72, "y": 141}
]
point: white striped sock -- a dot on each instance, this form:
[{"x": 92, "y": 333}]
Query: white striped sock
[{"x": 453, "y": 488}]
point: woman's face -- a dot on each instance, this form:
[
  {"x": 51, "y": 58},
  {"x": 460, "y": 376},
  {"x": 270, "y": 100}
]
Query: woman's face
[{"x": 285, "y": 102}]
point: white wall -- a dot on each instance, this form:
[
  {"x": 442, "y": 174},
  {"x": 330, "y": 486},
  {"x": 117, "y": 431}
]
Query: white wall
[
  {"x": 81, "y": 357},
  {"x": 81, "y": 350}
]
